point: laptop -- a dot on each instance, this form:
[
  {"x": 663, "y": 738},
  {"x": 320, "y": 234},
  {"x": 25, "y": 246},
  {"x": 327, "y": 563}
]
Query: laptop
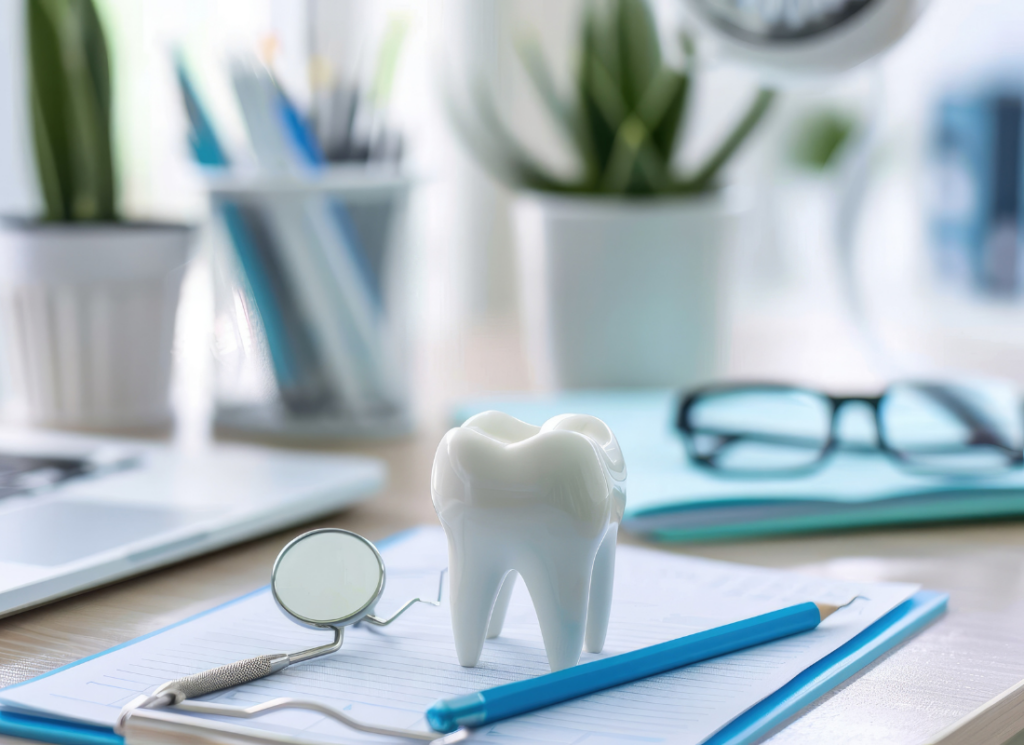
[{"x": 79, "y": 511}]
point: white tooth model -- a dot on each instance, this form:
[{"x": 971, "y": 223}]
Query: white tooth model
[{"x": 543, "y": 502}]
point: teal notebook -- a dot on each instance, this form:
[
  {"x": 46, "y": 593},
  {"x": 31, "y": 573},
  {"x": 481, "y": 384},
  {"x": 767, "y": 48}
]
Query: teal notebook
[
  {"x": 896, "y": 622},
  {"x": 668, "y": 498}
]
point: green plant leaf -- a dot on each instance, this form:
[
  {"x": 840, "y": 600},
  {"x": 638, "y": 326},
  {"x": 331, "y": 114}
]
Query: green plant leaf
[
  {"x": 600, "y": 26},
  {"x": 96, "y": 93},
  {"x": 625, "y": 120},
  {"x": 527, "y": 170},
  {"x": 635, "y": 167},
  {"x": 607, "y": 96},
  {"x": 46, "y": 165},
  {"x": 660, "y": 109},
  {"x": 639, "y": 49},
  {"x": 669, "y": 132},
  {"x": 49, "y": 86},
  {"x": 705, "y": 176},
  {"x": 493, "y": 146},
  {"x": 600, "y": 134},
  {"x": 820, "y": 137},
  {"x": 618, "y": 173},
  {"x": 565, "y": 115},
  {"x": 71, "y": 92}
]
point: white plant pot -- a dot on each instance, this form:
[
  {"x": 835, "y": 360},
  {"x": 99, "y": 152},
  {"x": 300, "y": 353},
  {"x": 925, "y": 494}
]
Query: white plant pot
[
  {"x": 87, "y": 322},
  {"x": 622, "y": 292}
]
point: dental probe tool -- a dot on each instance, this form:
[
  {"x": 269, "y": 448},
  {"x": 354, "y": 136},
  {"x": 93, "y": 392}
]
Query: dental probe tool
[
  {"x": 325, "y": 579},
  {"x": 505, "y": 701}
]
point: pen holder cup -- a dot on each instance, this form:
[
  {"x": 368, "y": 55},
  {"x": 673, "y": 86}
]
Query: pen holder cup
[{"x": 310, "y": 337}]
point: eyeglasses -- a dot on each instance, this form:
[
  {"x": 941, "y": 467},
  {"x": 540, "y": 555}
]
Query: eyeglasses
[{"x": 778, "y": 430}]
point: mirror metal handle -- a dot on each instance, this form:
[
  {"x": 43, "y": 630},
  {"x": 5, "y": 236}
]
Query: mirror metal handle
[
  {"x": 226, "y": 676},
  {"x": 377, "y": 621},
  {"x": 308, "y": 654}
]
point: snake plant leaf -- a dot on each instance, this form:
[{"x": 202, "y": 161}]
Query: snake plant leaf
[
  {"x": 48, "y": 92},
  {"x": 669, "y": 131},
  {"x": 532, "y": 57},
  {"x": 625, "y": 119},
  {"x": 653, "y": 172},
  {"x": 639, "y": 49},
  {"x": 600, "y": 132},
  {"x": 49, "y": 177},
  {"x": 491, "y": 144},
  {"x": 567, "y": 116},
  {"x": 70, "y": 80},
  {"x": 599, "y": 25},
  {"x": 659, "y": 108},
  {"x": 89, "y": 74},
  {"x": 618, "y": 173},
  {"x": 534, "y": 175},
  {"x": 705, "y": 177},
  {"x": 635, "y": 166},
  {"x": 666, "y": 133},
  {"x": 607, "y": 97}
]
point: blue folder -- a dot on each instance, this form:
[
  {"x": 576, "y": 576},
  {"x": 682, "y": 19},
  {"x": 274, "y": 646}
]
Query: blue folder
[
  {"x": 895, "y": 627},
  {"x": 669, "y": 498}
]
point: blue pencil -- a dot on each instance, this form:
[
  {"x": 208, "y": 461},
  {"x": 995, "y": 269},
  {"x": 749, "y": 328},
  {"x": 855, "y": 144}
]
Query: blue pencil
[{"x": 513, "y": 699}]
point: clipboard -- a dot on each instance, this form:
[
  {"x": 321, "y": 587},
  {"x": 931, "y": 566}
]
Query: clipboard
[{"x": 898, "y": 625}]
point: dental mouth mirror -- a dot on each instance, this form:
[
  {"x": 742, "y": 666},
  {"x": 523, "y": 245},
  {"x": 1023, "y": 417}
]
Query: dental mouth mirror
[{"x": 324, "y": 579}]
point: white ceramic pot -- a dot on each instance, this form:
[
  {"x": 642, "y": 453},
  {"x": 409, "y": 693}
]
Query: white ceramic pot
[
  {"x": 87, "y": 322},
  {"x": 622, "y": 292}
]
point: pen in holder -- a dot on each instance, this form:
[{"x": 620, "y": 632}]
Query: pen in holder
[{"x": 310, "y": 337}]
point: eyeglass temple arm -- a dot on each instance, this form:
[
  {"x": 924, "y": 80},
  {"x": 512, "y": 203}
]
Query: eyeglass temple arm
[
  {"x": 983, "y": 431},
  {"x": 377, "y": 621}
]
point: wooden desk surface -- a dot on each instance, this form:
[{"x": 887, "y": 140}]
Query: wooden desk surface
[{"x": 965, "y": 659}]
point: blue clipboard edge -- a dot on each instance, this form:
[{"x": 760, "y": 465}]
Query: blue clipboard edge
[
  {"x": 892, "y": 629},
  {"x": 895, "y": 627}
]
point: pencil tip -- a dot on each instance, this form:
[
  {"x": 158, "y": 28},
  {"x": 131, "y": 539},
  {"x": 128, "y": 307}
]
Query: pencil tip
[{"x": 827, "y": 609}]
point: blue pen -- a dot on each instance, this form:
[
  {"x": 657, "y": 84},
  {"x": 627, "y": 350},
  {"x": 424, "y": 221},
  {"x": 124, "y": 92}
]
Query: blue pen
[{"x": 513, "y": 699}]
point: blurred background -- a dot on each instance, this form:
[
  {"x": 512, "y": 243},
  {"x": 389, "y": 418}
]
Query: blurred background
[
  {"x": 348, "y": 225},
  {"x": 392, "y": 102}
]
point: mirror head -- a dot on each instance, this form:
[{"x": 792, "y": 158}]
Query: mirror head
[{"x": 328, "y": 577}]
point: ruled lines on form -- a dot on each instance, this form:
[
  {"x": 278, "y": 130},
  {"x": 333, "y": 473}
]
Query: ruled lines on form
[{"x": 392, "y": 675}]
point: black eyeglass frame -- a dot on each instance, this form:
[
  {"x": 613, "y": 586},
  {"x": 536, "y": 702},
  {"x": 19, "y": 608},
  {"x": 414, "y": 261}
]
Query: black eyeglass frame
[{"x": 981, "y": 434}]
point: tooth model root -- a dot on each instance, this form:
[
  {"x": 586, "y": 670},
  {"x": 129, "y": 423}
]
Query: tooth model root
[
  {"x": 501, "y": 606},
  {"x": 598, "y": 606},
  {"x": 601, "y": 592},
  {"x": 561, "y": 591},
  {"x": 474, "y": 590},
  {"x": 542, "y": 503}
]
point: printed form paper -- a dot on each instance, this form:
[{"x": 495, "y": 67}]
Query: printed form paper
[{"x": 392, "y": 675}]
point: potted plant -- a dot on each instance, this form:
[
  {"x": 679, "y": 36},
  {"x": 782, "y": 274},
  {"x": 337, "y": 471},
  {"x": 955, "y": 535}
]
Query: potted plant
[
  {"x": 620, "y": 262},
  {"x": 87, "y": 300}
]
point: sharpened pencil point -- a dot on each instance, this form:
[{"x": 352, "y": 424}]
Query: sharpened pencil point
[{"x": 827, "y": 609}]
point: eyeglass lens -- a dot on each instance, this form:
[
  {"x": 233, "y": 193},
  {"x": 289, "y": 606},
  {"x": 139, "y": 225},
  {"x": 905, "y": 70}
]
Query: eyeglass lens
[
  {"x": 928, "y": 427},
  {"x": 757, "y": 430},
  {"x": 947, "y": 429}
]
